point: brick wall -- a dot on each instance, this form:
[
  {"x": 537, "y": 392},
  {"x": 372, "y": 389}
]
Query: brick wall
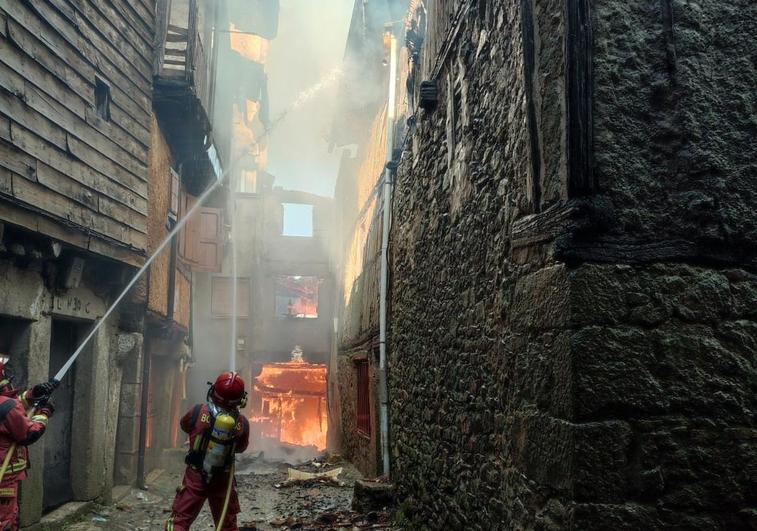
[{"x": 160, "y": 201}]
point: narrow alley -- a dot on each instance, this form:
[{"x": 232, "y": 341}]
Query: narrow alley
[
  {"x": 413, "y": 265},
  {"x": 270, "y": 501}
]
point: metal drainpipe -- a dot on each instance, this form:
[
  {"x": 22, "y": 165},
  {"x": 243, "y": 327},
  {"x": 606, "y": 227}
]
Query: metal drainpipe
[{"x": 384, "y": 280}]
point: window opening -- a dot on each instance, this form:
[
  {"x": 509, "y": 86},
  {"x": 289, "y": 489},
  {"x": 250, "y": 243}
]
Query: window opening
[
  {"x": 297, "y": 220},
  {"x": 102, "y": 99},
  {"x": 297, "y": 297}
]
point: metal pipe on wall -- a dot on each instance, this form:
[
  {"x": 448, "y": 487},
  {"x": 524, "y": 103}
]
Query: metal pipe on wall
[{"x": 384, "y": 280}]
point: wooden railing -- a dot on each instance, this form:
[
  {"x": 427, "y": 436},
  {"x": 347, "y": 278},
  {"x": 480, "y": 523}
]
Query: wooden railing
[{"x": 181, "y": 55}]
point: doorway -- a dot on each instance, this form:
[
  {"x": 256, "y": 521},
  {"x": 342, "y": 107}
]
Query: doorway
[
  {"x": 14, "y": 347},
  {"x": 64, "y": 339}
]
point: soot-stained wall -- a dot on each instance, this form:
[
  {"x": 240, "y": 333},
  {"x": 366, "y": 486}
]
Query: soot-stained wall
[{"x": 573, "y": 331}]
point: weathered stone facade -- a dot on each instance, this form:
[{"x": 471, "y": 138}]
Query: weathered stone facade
[
  {"x": 573, "y": 330},
  {"x": 362, "y": 447},
  {"x": 29, "y": 313}
]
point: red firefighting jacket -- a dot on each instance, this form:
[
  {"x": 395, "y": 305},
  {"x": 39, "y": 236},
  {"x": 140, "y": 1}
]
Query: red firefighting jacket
[
  {"x": 17, "y": 427},
  {"x": 199, "y": 421}
]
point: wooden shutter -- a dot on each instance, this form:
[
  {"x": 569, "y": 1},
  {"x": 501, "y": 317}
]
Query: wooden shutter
[
  {"x": 201, "y": 239},
  {"x": 210, "y": 240}
]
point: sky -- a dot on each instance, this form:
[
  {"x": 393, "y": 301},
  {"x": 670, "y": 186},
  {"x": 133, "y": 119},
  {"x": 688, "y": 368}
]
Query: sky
[{"x": 309, "y": 46}]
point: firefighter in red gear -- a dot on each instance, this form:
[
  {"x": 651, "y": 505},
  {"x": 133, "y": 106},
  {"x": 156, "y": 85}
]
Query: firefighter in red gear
[
  {"x": 17, "y": 428},
  {"x": 216, "y": 431}
]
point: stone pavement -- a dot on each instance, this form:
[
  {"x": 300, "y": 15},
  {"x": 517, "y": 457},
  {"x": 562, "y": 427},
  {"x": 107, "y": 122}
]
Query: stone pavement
[{"x": 267, "y": 503}]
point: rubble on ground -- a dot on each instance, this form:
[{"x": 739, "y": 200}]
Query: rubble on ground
[{"x": 317, "y": 495}]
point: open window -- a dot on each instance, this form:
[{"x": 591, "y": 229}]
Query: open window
[
  {"x": 222, "y": 295},
  {"x": 297, "y": 297},
  {"x": 248, "y": 182},
  {"x": 102, "y": 99},
  {"x": 297, "y": 220}
]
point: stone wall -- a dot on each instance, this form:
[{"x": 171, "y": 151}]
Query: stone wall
[
  {"x": 662, "y": 359},
  {"x": 674, "y": 107},
  {"x": 466, "y": 178},
  {"x": 360, "y": 448},
  {"x": 573, "y": 347},
  {"x": 97, "y": 375}
]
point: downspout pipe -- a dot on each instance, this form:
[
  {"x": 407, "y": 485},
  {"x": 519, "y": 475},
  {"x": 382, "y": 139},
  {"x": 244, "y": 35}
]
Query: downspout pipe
[{"x": 384, "y": 280}]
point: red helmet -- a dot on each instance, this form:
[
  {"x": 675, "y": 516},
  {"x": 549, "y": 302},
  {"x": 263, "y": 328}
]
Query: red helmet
[
  {"x": 6, "y": 380},
  {"x": 228, "y": 391}
]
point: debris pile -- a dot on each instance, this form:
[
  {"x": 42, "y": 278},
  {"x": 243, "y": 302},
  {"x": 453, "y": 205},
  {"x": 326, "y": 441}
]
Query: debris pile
[{"x": 341, "y": 520}]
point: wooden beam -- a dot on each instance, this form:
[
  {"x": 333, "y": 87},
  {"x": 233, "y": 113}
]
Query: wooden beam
[
  {"x": 178, "y": 30},
  {"x": 19, "y": 74},
  {"x": 36, "y": 55},
  {"x": 6, "y": 183},
  {"x": 529, "y": 71},
  {"x": 637, "y": 252},
  {"x": 544, "y": 226},
  {"x": 36, "y": 147},
  {"x": 579, "y": 95}
]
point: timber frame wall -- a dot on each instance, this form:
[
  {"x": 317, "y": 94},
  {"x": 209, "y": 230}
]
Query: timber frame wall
[{"x": 65, "y": 170}]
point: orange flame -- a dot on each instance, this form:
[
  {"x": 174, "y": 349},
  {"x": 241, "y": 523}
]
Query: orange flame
[
  {"x": 252, "y": 47},
  {"x": 289, "y": 404}
]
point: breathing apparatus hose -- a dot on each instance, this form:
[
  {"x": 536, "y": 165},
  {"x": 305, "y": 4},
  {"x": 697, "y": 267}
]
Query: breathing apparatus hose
[{"x": 222, "y": 519}]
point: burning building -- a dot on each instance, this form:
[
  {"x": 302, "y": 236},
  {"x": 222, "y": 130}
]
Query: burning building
[
  {"x": 105, "y": 141},
  {"x": 288, "y": 404}
]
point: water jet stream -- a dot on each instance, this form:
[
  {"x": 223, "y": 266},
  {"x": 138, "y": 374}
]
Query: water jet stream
[
  {"x": 183, "y": 221},
  {"x": 303, "y": 97},
  {"x": 234, "y": 280}
]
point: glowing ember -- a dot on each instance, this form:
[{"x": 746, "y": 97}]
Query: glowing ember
[{"x": 289, "y": 404}]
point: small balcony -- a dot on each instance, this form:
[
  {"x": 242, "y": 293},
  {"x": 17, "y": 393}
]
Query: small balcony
[{"x": 184, "y": 81}]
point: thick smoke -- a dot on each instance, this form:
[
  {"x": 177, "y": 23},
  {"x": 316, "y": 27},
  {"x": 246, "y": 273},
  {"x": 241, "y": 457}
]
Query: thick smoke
[
  {"x": 307, "y": 51},
  {"x": 289, "y": 139}
]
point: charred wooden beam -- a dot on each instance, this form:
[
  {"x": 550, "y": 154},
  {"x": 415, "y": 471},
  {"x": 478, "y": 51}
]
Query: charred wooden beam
[
  {"x": 529, "y": 67},
  {"x": 578, "y": 73},
  {"x": 574, "y": 251}
]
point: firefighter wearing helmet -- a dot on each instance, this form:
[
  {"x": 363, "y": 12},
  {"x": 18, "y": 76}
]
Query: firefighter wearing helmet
[
  {"x": 17, "y": 431},
  {"x": 216, "y": 432}
]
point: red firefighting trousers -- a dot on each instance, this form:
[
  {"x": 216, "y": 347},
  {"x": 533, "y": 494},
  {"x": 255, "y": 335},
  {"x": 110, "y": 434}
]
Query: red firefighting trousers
[
  {"x": 191, "y": 496},
  {"x": 9, "y": 504}
]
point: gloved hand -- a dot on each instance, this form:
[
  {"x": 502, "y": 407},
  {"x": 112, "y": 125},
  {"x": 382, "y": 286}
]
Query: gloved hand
[
  {"x": 47, "y": 410},
  {"x": 42, "y": 390}
]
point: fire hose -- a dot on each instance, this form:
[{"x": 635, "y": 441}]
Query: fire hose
[
  {"x": 69, "y": 363},
  {"x": 13, "y": 446},
  {"x": 225, "y": 510},
  {"x": 11, "y": 451}
]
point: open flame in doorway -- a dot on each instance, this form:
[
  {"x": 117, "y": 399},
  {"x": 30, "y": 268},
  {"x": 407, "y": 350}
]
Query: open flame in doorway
[{"x": 289, "y": 403}]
